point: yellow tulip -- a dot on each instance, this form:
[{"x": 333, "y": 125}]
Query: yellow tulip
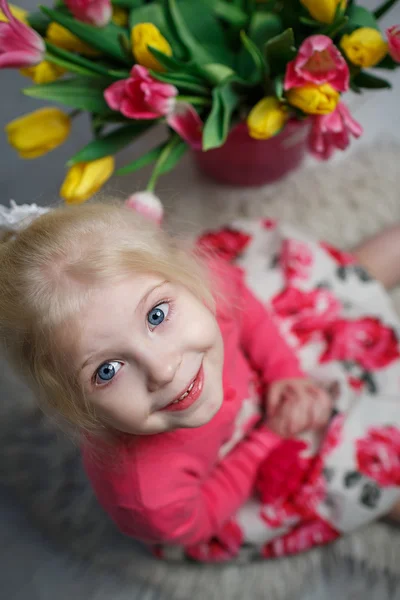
[
  {"x": 267, "y": 118},
  {"x": 17, "y": 12},
  {"x": 144, "y": 35},
  {"x": 62, "y": 38},
  {"x": 314, "y": 99},
  {"x": 44, "y": 72},
  {"x": 120, "y": 16},
  {"x": 85, "y": 179},
  {"x": 364, "y": 47},
  {"x": 38, "y": 132},
  {"x": 323, "y": 10}
]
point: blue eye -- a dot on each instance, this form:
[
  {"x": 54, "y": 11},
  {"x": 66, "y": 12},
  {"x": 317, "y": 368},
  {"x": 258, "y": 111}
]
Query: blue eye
[
  {"x": 107, "y": 371},
  {"x": 157, "y": 314}
]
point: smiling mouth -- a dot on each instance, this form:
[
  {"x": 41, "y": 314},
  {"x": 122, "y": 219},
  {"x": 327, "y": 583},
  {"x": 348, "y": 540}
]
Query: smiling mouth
[
  {"x": 189, "y": 396},
  {"x": 185, "y": 394}
]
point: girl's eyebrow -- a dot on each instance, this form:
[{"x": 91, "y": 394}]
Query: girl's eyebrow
[
  {"x": 142, "y": 302},
  {"x": 148, "y": 293}
]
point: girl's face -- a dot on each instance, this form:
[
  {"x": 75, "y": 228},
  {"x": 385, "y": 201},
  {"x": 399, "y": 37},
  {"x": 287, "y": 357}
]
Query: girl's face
[{"x": 150, "y": 356}]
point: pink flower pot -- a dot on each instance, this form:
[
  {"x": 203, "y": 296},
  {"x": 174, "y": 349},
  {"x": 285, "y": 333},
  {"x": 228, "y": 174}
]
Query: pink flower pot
[{"x": 245, "y": 161}]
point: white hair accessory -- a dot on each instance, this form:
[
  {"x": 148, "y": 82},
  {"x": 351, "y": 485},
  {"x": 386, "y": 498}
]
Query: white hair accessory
[{"x": 17, "y": 217}]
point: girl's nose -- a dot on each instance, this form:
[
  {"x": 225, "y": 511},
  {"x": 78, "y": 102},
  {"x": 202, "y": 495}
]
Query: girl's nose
[{"x": 161, "y": 369}]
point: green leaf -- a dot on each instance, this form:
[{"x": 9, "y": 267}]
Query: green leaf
[
  {"x": 181, "y": 31},
  {"x": 183, "y": 81},
  {"x": 354, "y": 87},
  {"x": 261, "y": 67},
  {"x": 216, "y": 128},
  {"x": 290, "y": 13},
  {"x": 206, "y": 29},
  {"x": 39, "y": 22},
  {"x": 110, "y": 144},
  {"x": 142, "y": 161},
  {"x": 361, "y": 17},
  {"x": 310, "y": 22},
  {"x": 333, "y": 29},
  {"x": 149, "y": 13},
  {"x": 248, "y": 6},
  {"x": 280, "y": 50},
  {"x": 128, "y": 3},
  {"x": 384, "y": 8},
  {"x": 91, "y": 67},
  {"x": 168, "y": 62},
  {"x": 371, "y": 82},
  {"x": 263, "y": 27},
  {"x": 216, "y": 73},
  {"x": 169, "y": 156},
  {"x": 153, "y": 13},
  {"x": 69, "y": 66},
  {"x": 105, "y": 39},
  {"x": 387, "y": 63},
  {"x": 174, "y": 156},
  {"x": 278, "y": 86},
  {"x": 230, "y": 13},
  {"x": 76, "y": 92}
]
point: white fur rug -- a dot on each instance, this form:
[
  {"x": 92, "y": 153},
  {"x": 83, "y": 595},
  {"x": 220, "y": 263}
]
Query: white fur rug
[{"x": 341, "y": 203}]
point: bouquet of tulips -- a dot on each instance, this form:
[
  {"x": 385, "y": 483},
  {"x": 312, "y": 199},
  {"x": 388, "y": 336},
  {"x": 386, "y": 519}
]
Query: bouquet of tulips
[{"x": 199, "y": 66}]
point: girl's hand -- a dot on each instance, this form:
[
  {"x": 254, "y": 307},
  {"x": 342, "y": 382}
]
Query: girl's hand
[{"x": 297, "y": 405}]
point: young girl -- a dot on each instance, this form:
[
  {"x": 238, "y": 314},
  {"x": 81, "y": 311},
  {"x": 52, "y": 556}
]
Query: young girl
[{"x": 237, "y": 400}]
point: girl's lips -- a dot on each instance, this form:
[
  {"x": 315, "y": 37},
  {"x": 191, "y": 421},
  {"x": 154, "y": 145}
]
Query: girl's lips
[{"x": 192, "y": 396}]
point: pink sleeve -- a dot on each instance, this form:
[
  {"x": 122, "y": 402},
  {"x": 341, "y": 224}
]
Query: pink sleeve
[
  {"x": 178, "y": 506},
  {"x": 262, "y": 341}
]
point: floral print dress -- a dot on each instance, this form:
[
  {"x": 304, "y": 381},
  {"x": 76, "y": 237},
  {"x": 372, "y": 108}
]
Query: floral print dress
[{"x": 341, "y": 323}]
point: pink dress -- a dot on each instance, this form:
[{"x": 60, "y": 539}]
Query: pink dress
[{"x": 232, "y": 490}]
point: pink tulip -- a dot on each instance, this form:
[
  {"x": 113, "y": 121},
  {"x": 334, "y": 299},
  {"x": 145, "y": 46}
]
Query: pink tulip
[
  {"x": 333, "y": 131},
  {"x": 20, "y": 46},
  {"x": 95, "y": 12},
  {"x": 187, "y": 123},
  {"x": 140, "y": 96},
  {"x": 318, "y": 61},
  {"x": 393, "y": 36},
  {"x": 146, "y": 204}
]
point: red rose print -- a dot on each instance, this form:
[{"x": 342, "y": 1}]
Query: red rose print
[
  {"x": 269, "y": 224},
  {"x": 356, "y": 384},
  {"x": 296, "y": 260},
  {"x": 342, "y": 258},
  {"x": 378, "y": 455},
  {"x": 366, "y": 341},
  {"x": 227, "y": 243},
  {"x": 290, "y": 484},
  {"x": 310, "y": 495},
  {"x": 302, "y": 537},
  {"x": 221, "y": 548},
  {"x": 281, "y": 474},
  {"x": 310, "y": 311},
  {"x": 333, "y": 436},
  {"x": 279, "y": 514}
]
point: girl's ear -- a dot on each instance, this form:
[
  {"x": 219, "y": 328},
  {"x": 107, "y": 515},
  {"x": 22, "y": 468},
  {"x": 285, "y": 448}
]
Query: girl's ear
[{"x": 146, "y": 204}]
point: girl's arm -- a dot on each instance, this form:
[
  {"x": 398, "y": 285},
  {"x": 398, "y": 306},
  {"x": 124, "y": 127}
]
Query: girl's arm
[
  {"x": 262, "y": 341},
  {"x": 164, "y": 497}
]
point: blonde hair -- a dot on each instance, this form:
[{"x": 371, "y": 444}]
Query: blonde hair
[{"x": 48, "y": 272}]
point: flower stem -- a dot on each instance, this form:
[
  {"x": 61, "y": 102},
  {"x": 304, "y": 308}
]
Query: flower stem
[
  {"x": 157, "y": 171},
  {"x": 195, "y": 100},
  {"x": 379, "y": 12}
]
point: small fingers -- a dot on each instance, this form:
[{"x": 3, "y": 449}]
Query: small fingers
[
  {"x": 294, "y": 414},
  {"x": 322, "y": 408},
  {"x": 275, "y": 398}
]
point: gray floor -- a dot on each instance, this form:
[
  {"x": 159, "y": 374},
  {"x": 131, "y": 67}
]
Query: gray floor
[{"x": 30, "y": 567}]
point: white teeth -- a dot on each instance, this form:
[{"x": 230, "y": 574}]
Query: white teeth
[{"x": 185, "y": 394}]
